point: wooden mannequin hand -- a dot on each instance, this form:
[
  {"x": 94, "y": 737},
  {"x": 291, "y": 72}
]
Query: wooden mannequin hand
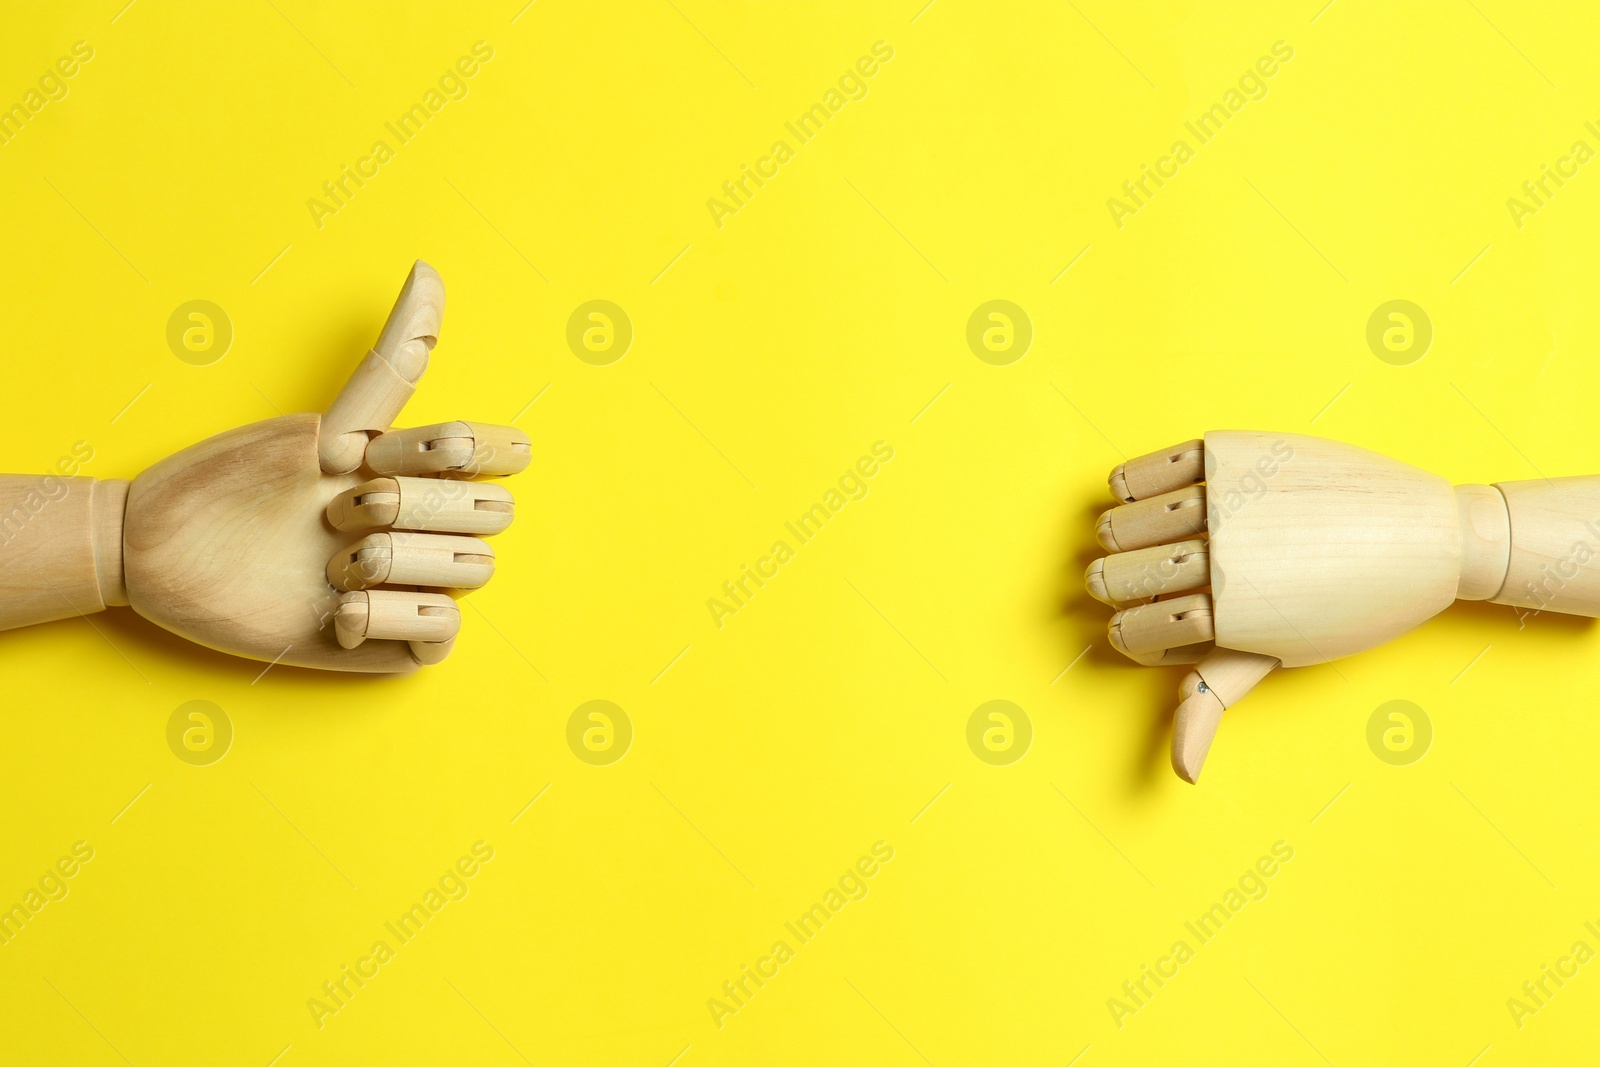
[
  {"x": 1299, "y": 550},
  {"x": 324, "y": 541}
]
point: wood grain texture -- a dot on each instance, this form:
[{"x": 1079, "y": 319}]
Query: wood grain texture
[
  {"x": 227, "y": 542},
  {"x": 1320, "y": 549},
  {"x": 60, "y": 547},
  {"x": 1554, "y": 555},
  {"x": 1485, "y": 541}
]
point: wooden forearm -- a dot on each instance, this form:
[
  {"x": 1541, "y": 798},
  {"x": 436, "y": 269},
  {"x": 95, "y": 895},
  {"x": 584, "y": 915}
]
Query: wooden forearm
[
  {"x": 60, "y": 547},
  {"x": 1533, "y": 544}
]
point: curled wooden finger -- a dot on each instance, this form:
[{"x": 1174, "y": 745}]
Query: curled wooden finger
[
  {"x": 1159, "y": 472},
  {"x": 461, "y": 449},
  {"x": 1144, "y": 573},
  {"x": 430, "y": 652},
  {"x": 442, "y": 505},
  {"x": 395, "y": 614},
  {"x": 400, "y": 557},
  {"x": 1166, "y": 624},
  {"x": 1158, "y": 520}
]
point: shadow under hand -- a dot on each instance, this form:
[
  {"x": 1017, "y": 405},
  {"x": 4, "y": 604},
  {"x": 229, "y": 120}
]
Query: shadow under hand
[
  {"x": 1491, "y": 619},
  {"x": 141, "y": 640},
  {"x": 1084, "y": 621}
]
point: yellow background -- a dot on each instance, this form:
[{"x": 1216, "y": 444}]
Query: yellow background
[{"x": 769, "y": 354}]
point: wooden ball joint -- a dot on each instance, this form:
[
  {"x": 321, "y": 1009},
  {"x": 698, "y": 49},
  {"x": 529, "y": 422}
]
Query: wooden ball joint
[
  {"x": 326, "y": 541},
  {"x": 1247, "y": 551}
]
